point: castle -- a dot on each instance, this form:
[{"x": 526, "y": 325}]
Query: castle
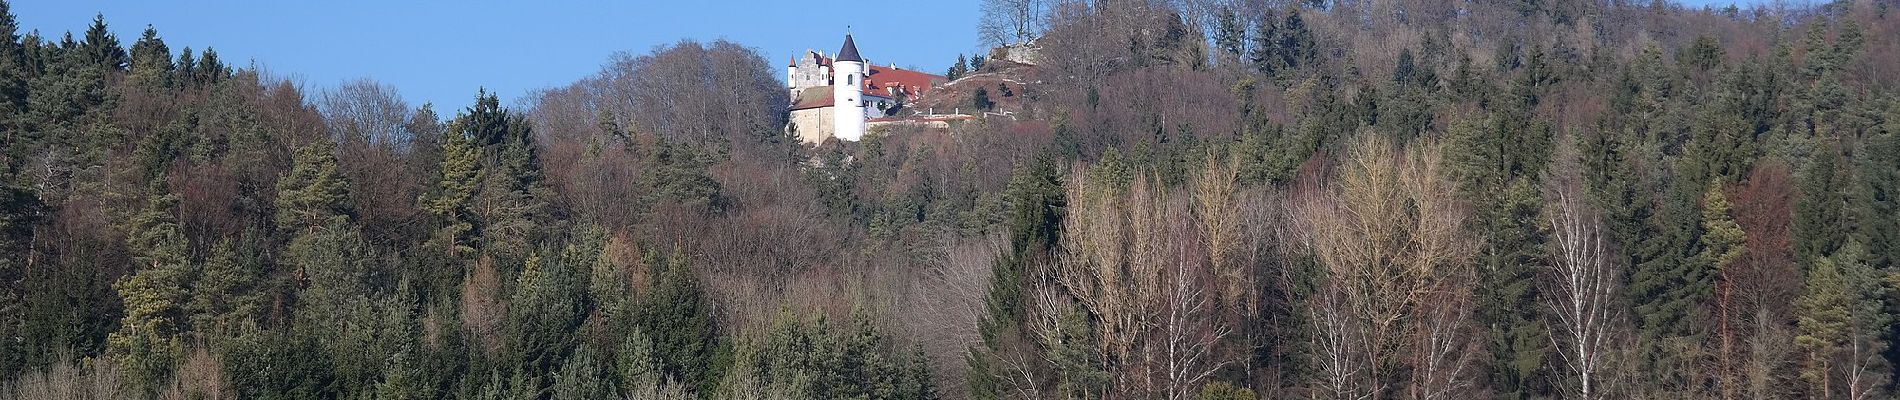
[{"x": 839, "y": 96}]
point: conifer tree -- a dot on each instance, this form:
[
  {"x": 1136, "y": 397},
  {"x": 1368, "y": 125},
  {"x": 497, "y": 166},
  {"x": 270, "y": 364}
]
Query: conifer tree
[
  {"x": 147, "y": 343},
  {"x": 313, "y": 194},
  {"x": 958, "y": 70},
  {"x": 680, "y": 321},
  {"x": 1819, "y": 212},
  {"x": 14, "y": 71},
  {"x": 1035, "y": 199},
  {"x": 101, "y": 47},
  {"x": 1230, "y": 34},
  {"x": 151, "y": 60},
  {"x": 1841, "y": 320},
  {"x": 459, "y": 174},
  {"x": 224, "y": 297},
  {"x": 1723, "y": 242}
]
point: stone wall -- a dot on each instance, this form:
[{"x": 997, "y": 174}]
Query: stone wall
[{"x": 813, "y": 124}]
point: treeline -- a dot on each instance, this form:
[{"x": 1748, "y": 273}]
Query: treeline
[
  {"x": 178, "y": 227},
  {"x": 1196, "y": 199},
  {"x": 1422, "y": 199}
]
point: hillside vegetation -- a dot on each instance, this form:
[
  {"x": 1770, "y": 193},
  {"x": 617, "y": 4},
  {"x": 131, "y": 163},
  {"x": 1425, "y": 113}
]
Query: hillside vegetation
[{"x": 1183, "y": 199}]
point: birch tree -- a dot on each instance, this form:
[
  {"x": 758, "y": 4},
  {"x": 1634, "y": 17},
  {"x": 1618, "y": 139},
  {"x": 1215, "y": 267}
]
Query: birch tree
[{"x": 1581, "y": 281}]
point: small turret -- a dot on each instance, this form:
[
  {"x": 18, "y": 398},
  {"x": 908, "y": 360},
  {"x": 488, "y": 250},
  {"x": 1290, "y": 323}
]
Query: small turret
[{"x": 847, "y": 85}]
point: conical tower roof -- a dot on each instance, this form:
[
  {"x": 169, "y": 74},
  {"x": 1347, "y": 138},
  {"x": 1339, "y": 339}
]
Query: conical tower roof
[{"x": 850, "y": 50}]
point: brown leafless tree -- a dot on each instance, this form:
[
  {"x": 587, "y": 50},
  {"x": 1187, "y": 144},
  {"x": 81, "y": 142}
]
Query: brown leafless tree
[
  {"x": 1393, "y": 247},
  {"x": 1011, "y": 21},
  {"x": 1134, "y": 258}
]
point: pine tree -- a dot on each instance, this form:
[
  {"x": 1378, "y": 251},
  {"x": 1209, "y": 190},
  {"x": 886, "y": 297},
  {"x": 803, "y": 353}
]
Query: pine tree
[
  {"x": 1035, "y": 199},
  {"x": 147, "y": 343},
  {"x": 313, "y": 194},
  {"x": 1498, "y": 161},
  {"x": 14, "y": 71},
  {"x": 224, "y": 298},
  {"x": 458, "y": 176},
  {"x": 1877, "y": 194},
  {"x": 1669, "y": 289},
  {"x": 1841, "y": 319},
  {"x": 582, "y": 376},
  {"x": 1723, "y": 242},
  {"x": 543, "y": 313},
  {"x": 958, "y": 70}
]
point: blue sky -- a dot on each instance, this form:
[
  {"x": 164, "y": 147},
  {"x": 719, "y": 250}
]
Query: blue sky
[{"x": 441, "y": 52}]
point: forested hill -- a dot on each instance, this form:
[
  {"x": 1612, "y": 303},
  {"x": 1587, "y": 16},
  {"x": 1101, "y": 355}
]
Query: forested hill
[{"x": 1424, "y": 199}]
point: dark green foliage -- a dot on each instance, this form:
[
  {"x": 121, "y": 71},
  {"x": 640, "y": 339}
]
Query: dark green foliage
[
  {"x": 151, "y": 60},
  {"x": 584, "y": 376},
  {"x": 1283, "y": 45},
  {"x": 227, "y": 295},
  {"x": 819, "y": 361},
  {"x": 1034, "y": 201},
  {"x": 981, "y": 100},
  {"x": 1820, "y": 209},
  {"x": 1669, "y": 287},
  {"x": 958, "y": 70},
  {"x": 101, "y": 47},
  {"x": 1499, "y": 161},
  {"x": 148, "y": 340},
  {"x": 1230, "y": 34},
  {"x": 273, "y": 365},
  {"x": 681, "y": 323},
  {"x": 313, "y": 194},
  {"x": 678, "y": 176}
]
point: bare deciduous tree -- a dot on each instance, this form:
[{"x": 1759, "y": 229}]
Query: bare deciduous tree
[
  {"x": 1581, "y": 281},
  {"x": 1395, "y": 255},
  {"x": 1134, "y": 259},
  {"x": 1011, "y": 21}
]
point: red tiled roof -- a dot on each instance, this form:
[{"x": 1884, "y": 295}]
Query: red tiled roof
[{"x": 882, "y": 79}]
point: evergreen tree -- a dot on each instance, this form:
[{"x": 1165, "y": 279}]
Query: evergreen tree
[
  {"x": 1498, "y": 161},
  {"x": 1819, "y": 211},
  {"x": 225, "y": 297},
  {"x": 958, "y": 70},
  {"x": 1230, "y": 34},
  {"x": 543, "y": 314},
  {"x": 1841, "y": 319},
  {"x": 14, "y": 72},
  {"x": 582, "y": 377},
  {"x": 101, "y": 47},
  {"x": 313, "y": 194},
  {"x": 458, "y": 175},
  {"x": 151, "y": 60},
  {"x": 1669, "y": 289},
  {"x": 680, "y": 321},
  {"x": 147, "y": 343},
  {"x": 1035, "y": 200}
]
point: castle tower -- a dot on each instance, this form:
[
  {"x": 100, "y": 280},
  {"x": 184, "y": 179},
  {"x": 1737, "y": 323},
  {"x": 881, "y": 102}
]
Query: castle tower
[
  {"x": 791, "y": 74},
  {"x": 847, "y": 95}
]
